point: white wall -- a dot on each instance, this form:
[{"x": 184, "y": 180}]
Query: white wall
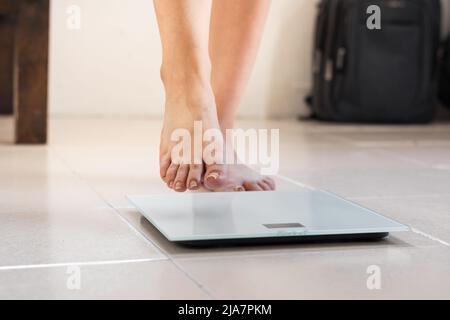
[{"x": 111, "y": 65}]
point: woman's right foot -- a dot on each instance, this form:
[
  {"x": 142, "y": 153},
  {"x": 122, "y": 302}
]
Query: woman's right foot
[{"x": 187, "y": 102}]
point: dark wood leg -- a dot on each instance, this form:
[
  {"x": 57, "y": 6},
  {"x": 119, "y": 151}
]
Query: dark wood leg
[
  {"x": 6, "y": 58},
  {"x": 31, "y": 70}
]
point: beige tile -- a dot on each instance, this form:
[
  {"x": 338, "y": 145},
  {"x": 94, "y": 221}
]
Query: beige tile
[
  {"x": 376, "y": 182},
  {"x": 54, "y": 208},
  {"x": 143, "y": 280},
  {"x": 104, "y": 132},
  {"x": 426, "y": 136},
  {"x": 406, "y": 273},
  {"x": 31, "y": 237},
  {"x": 48, "y": 215},
  {"x": 114, "y": 172},
  {"x": 297, "y": 157},
  {"x": 313, "y": 126},
  {"x": 114, "y": 189},
  {"x": 429, "y": 214},
  {"x": 117, "y": 170},
  {"x": 122, "y": 158},
  {"x": 435, "y": 157},
  {"x": 34, "y": 178}
]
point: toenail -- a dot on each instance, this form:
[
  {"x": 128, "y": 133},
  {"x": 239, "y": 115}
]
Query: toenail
[
  {"x": 170, "y": 184},
  {"x": 239, "y": 189},
  {"x": 178, "y": 185},
  {"x": 213, "y": 176},
  {"x": 193, "y": 184}
]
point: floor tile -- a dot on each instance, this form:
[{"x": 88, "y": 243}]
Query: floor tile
[
  {"x": 376, "y": 182},
  {"x": 48, "y": 215},
  {"x": 143, "y": 280},
  {"x": 430, "y": 214},
  {"x": 405, "y": 273},
  {"x": 114, "y": 172},
  {"x": 65, "y": 203},
  {"x": 68, "y": 236},
  {"x": 418, "y": 137},
  {"x": 434, "y": 157},
  {"x": 103, "y": 132},
  {"x": 297, "y": 157}
]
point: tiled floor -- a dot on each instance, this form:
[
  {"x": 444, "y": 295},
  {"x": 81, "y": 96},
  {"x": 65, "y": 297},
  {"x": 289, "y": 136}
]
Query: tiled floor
[{"x": 63, "y": 208}]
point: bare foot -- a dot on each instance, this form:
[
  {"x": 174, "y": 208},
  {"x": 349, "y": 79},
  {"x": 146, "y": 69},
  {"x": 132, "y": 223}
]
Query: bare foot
[
  {"x": 187, "y": 102},
  {"x": 240, "y": 177}
]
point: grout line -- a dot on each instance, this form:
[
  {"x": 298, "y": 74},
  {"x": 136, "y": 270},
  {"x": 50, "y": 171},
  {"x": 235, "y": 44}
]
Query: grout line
[
  {"x": 80, "y": 264},
  {"x": 426, "y": 235},
  {"x": 164, "y": 252},
  {"x": 170, "y": 258},
  {"x": 412, "y": 229},
  {"x": 108, "y": 205},
  {"x": 140, "y": 234},
  {"x": 430, "y": 237},
  {"x": 403, "y": 158},
  {"x": 129, "y": 225}
]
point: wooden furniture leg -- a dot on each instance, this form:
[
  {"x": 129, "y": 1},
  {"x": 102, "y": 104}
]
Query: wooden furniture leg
[
  {"x": 6, "y": 56},
  {"x": 31, "y": 71}
]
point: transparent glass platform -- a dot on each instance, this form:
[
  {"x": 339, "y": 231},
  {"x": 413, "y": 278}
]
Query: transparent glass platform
[{"x": 305, "y": 213}]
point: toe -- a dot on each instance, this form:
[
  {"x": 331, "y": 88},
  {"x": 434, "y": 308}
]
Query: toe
[
  {"x": 195, "y": 176},
  {"x": 171, "y": 175},
  {"x": 250, "y": 186},
  {"x": 230, "y": 188},
  {"x": 270, "y": 182},
  {"x": 215, "y": 176},
  {"x": 180, "y": 180},
  {"x": 263, "y": 185},
  {"x": 164, "y": 164}
]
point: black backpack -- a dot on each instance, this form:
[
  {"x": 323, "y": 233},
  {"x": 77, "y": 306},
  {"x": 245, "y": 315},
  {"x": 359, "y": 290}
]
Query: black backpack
[
  {"x": 376, "y": 75},
  {"x": 444, "y": 86}
]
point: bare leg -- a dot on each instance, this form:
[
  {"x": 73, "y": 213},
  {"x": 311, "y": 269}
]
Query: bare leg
[
  {"x": 236, "y": 30},
  {"x": 186, "y": 74}
]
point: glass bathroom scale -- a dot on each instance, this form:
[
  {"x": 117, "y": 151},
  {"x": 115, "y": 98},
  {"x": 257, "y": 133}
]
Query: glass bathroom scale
[{"x": 207, "y": 219}]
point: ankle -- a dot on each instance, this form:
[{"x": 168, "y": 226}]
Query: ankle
[
  {"x": 192, "y": 91},
  {"x": 180, "y": 78},
  {"x": 182, "y": 70}
]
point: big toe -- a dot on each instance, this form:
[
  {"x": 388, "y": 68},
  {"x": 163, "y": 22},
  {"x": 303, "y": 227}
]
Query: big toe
[
  {"x": 164, "y": 164},
  {"x": 215, "y": 177},
  {"x": 179, "y": 184}
]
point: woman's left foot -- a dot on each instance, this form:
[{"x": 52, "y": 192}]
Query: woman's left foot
[{"x": 239, "y": 177}]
